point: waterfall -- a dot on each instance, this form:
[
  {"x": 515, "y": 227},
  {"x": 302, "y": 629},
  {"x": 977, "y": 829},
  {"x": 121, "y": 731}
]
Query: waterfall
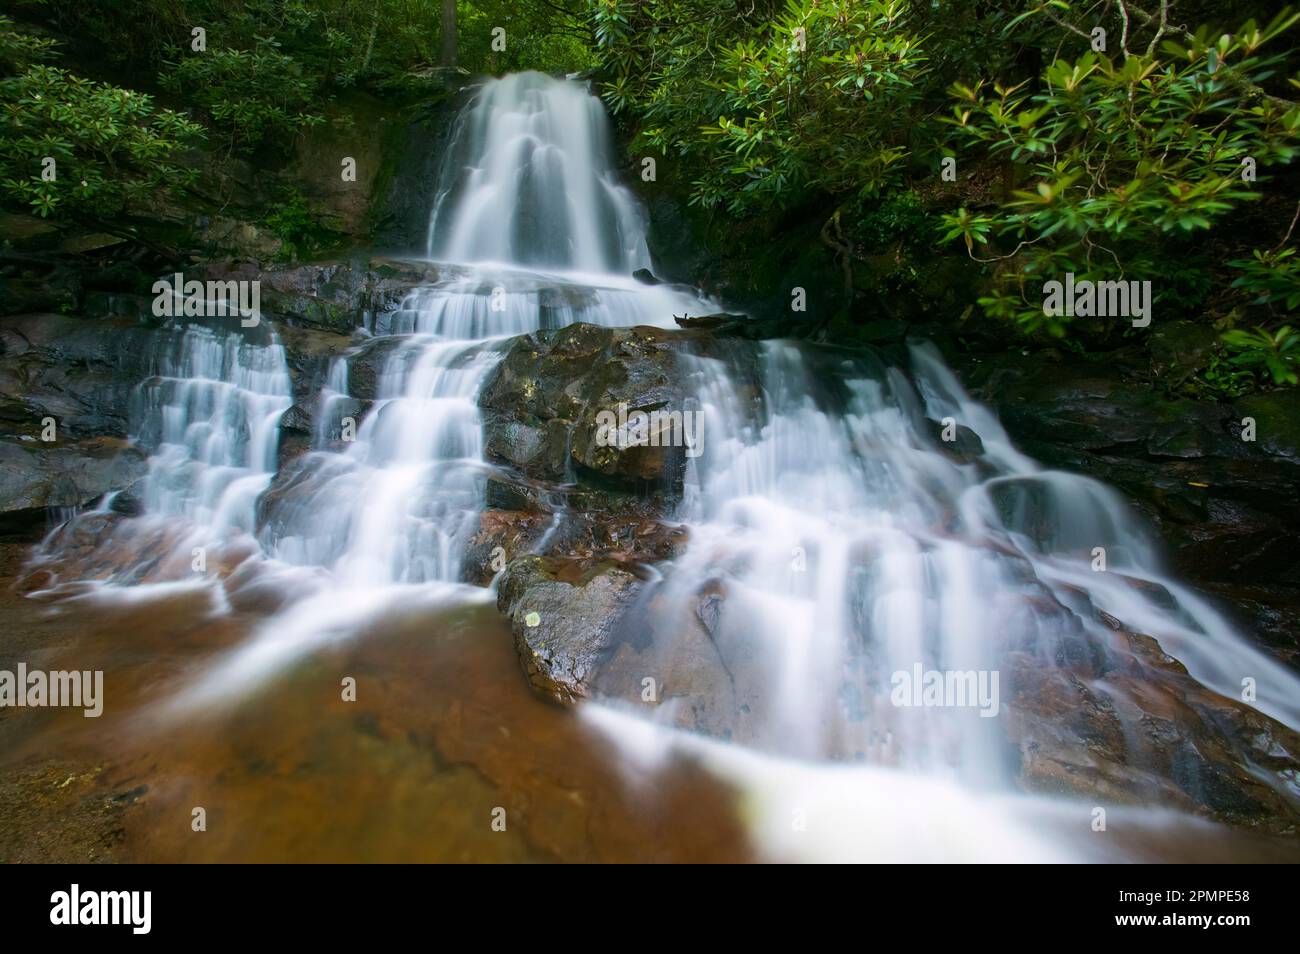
[
  {"x": 529, "y": 180},
  {"x": 536, "y": 233},
  {"x": 849, "y": 546},
  {"x": 210, "y": 415},
  {"x": 839, "y": 539}
]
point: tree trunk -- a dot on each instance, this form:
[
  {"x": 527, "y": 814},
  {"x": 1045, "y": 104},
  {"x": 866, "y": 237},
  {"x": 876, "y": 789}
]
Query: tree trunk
[
  {"x": 370, "y": 43},
  {"x": 449, "y": 33}
]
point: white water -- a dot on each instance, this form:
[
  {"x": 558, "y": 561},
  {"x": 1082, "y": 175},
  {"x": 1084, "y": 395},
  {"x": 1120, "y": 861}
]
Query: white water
[
  {"x": 529, "y": 180},
  {"x": 848, "y": 546},
  {"x": 388, "y": 515},
  {"x": 210, "y": 416}
]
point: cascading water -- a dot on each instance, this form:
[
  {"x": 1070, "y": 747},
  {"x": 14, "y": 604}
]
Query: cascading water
[
  {"x": 211, "y": 414},
  {"x": 850, "y": 547},
  {"x": 209, "y": 417},
  {"x": 836, "y": 544},
  {"x": 528, "y": 182},
  {"x": 840, "y": 541}
]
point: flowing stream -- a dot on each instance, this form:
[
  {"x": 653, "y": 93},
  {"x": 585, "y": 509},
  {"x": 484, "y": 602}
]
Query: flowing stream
[{"x": 850, "y": 541}]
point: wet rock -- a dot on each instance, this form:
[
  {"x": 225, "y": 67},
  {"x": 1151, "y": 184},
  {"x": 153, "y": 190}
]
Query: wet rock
[
  {"x": 1270, "y": 612},
  {"x": 309, "y": 354},
  {"x": 501, "y": 536},
  {"x": 565, "y": 617},
  {"x": 965, "y": 445},
  {"x": 326, "y": 296},
  {"x": 1150, "y": 733},
  {"x": 417, "y": 144},
  {"x": 390, "y": 280},
  {"x": 129, "y": 502},
  {"x": 1179, "y": 349},
  {"x": 82, "y": 372},
  {"x": 366, "y": 366},
  {"x": 105, "y": 545},
  {"x": 107, "y": 304},
  {"x": 335, "y": 296},
  {"x": 505, "y": 492},
  {"x": 646, "y": 277},
  {"x": 698, "y": 675},
  {"x": 296, "y": 431},
  {"x": 343, "y": 415},
  {"x": 542, "y": 402},
  {"x": 37, "y": 480},
  {"x": 1277, "y": 422},
  {"x": 747, "y": 327}
]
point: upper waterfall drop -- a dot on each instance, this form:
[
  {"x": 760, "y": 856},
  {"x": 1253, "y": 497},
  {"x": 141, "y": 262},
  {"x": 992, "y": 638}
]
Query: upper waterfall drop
[{"x": 529, "y": 180}]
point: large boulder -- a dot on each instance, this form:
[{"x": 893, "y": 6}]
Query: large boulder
[
  {"x": 565, "y": 616},
  {"x": 544, "y": 401}
]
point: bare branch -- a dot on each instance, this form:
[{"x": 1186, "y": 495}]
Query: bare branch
[{"x": 1160, "y": 30}]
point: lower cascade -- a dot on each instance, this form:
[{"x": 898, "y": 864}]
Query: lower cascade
[{"x": 877, "y": 604}]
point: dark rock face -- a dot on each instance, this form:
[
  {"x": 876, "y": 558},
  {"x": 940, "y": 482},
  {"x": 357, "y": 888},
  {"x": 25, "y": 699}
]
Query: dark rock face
[
  {"x": 366, "y": 366},
  {"x": 80, "y": 371},
  {"x": 405, "y": 191},
  {"x": 753, "y": 264},
  {"x": 331, "y": 296},
  {"x": 542, "y": 405},
  {"x": 71, "y": 378},
  {"x": 1225, "y": 507},
  {"x": 296, "y": 431},
  {"x": 37, "y": 479},
  {"x": 1133, "y": 727},
  {"x": 960, "y": 443}
]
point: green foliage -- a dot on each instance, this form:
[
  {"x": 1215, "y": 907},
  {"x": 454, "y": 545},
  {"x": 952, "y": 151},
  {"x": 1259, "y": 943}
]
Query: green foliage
[
  {"x": 113, "y": 149},
  {"x": 1273, "y": 277},
  {"x": 1124, "y": 154},
  {"x": 764, "y": 109},
  {"x": 18, "y": 49},
  {"x": 897, "y": 218},
  {"x": 300, "y": 226},
  {"x": 1276, "y": 352},
  {"x": 551, "y": 36},
  {"x": 335, "y": 43},
  {"x": 1224, "y": 380},
  {"x": 1186, "y": 278},
  {"x": 968, "y": 227},
  {"x": 255, "y": 96}
]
